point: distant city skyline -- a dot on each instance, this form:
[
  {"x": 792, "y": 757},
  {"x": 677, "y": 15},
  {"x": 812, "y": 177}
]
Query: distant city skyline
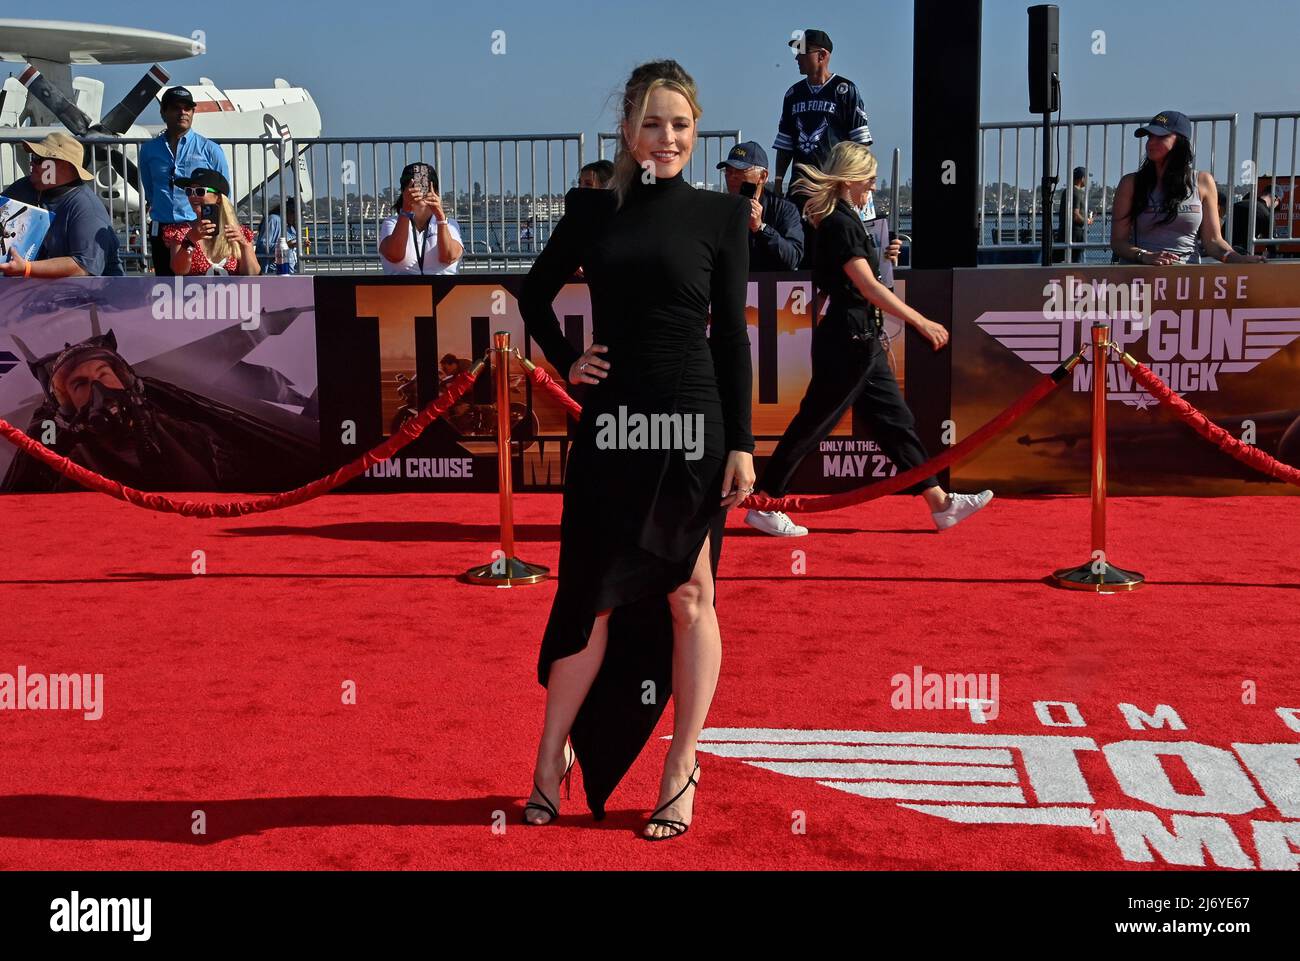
[{"x": 564, "y": 63}]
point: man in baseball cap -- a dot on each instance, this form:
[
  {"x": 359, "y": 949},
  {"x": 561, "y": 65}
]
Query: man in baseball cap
[
  {"x": 81, "y": 240},
  {"x": 1165, "y": 123},
  {"x": 775, "y": 231},
  {"x": 174, "y": 154},
  {"x": 816, "y": 113}
]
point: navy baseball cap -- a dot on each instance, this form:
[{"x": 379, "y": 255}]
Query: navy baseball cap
[
  {"x": 815, "y": 38},
  {"x": 1166, "y": 122},
  {"x": 177, "y": 95},
  {"x": 745, "y": 155}
]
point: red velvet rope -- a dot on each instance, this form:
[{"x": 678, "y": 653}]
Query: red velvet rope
[
  {"x": 412, "y": 429},
  {"x": 1248, "y": 454},
  {"x": 830, "y": 502},
  {"x": 544, "y": 380}
]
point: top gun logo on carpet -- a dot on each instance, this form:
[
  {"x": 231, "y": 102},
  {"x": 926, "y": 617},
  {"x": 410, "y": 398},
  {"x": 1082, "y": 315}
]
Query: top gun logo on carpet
[
  {"x": 977, "y": 779},
  {"x": 1186, "y": 328}
]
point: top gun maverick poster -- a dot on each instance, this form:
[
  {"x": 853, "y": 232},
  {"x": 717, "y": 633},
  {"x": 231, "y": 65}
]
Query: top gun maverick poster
[
  {"x": 172, "y": 384},
  {"x": 1226, "y": 339},
  {"x": 387, "y": 349}
]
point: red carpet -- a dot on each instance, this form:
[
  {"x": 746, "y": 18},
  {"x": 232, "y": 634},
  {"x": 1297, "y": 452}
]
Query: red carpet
[{"x": 223, "y": 692}]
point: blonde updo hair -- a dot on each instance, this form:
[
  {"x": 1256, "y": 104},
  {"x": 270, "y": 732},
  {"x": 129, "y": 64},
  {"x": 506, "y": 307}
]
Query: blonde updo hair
[
  {"x": 848, "y": 162},
  {"x": 644, "y": 80}
]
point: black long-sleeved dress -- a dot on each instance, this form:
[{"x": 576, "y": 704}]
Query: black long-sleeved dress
[{"x": 635, "y": 520}]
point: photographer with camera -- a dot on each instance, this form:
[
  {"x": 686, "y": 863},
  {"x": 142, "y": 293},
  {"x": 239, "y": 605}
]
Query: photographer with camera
[
  {"x": 175, "y": 153},
  {"x": 216, "y": 242},
  {"x": 419, "y": 238},
  {"x": 775, "y": 230}
]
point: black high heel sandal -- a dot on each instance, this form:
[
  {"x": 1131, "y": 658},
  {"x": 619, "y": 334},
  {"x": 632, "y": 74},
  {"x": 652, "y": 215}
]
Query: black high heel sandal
[
  {"x": 546, "y": 805},
  {"x": 679, "y": 827}
]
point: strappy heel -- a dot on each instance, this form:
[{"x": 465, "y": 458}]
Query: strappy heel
[
  {"x": 546, "y": 805},
  {"x": 678, "y": 827}
]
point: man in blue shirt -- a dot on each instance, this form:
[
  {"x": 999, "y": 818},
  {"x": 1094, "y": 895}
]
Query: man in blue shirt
[
  {"x": 175, "y": 153},
  {"x": 81, "y": 241}
]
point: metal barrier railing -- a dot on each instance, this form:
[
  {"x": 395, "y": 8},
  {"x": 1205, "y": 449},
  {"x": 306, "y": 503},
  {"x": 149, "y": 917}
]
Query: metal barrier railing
[
  {"x": 504, "y": 192},
  {"x": 1287, "y": 211},
  {"x": 1106, "y": 145},
  {"x": 711, "y": 148},
  {"x": 114, "y": 163}
]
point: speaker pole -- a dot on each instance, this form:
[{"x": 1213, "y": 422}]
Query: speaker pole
[{"x": 1044, "y": 98}]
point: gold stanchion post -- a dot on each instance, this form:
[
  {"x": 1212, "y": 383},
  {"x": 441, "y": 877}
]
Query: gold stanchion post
[
  {"x": 1098, "y": 574},
  {"x": 506, "y": 570}
]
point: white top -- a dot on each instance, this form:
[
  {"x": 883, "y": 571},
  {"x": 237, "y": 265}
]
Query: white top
[{"x": 409, "y": 265}]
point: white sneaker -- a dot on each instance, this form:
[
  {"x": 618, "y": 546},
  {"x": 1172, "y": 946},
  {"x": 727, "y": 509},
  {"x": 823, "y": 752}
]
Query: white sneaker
[
  {"x": 960, "y": 507},
  {"x": 774, "y": 523}
]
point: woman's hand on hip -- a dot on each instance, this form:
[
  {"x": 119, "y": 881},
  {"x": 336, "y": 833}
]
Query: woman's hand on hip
[
  {"x": 738, "y": 480},
  {"x": 590, "y": 369}
]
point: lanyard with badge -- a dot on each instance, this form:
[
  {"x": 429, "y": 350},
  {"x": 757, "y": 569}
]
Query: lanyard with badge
[
  {"x": 420, "y": 181},
  {"x": 875, "y": 231},
  {"x": 416, "y": 240}
]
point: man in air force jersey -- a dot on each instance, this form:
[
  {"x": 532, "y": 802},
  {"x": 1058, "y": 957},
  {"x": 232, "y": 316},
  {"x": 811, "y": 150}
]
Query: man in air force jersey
[{"x": 818, "y": 111}]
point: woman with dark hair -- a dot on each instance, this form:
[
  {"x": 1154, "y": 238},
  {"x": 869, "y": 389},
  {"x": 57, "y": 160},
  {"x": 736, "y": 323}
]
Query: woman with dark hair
[
  {"x": 633, "y": 618},
  {"x": 419, "y": 238},
  {"x": 1167, "y": 212}
]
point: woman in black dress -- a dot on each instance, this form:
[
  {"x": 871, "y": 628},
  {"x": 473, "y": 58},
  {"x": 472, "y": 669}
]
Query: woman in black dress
[{"x": 633, "y": 618}]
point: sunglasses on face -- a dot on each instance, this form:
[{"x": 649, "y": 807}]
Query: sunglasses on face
[{"x": 199, "y": 191}]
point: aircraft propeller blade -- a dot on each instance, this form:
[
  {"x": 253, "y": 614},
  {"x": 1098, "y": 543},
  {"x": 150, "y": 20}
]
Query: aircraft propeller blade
[
  {"x": 69, "y": 114},
  {"x": 121, "y": 117}
]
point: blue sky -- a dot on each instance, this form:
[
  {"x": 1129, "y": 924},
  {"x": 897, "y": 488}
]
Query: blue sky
[{"x": 413, "y": 68}]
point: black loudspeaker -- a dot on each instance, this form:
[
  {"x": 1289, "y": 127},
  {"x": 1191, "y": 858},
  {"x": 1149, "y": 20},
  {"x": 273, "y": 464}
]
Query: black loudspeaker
[{"x": 1044, "y": 57}]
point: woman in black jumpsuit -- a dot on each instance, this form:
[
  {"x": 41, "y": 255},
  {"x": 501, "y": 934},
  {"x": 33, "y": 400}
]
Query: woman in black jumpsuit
[
  {"x": 849, "y": 367},
  {"x": 633, "y": 618}
]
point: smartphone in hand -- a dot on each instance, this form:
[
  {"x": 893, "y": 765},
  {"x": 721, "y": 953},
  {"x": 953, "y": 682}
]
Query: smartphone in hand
[
  {"x": 748, "y": 190},
  {"x": 209, "y": 212}
]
